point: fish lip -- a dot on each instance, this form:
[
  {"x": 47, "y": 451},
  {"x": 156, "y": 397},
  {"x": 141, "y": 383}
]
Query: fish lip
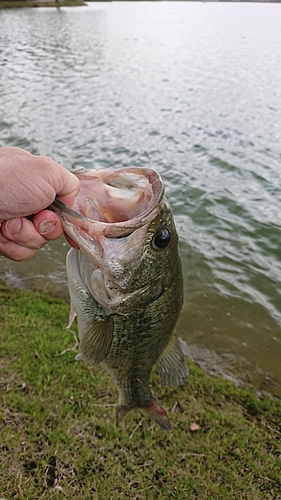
[{"x": 123, "y": 228}]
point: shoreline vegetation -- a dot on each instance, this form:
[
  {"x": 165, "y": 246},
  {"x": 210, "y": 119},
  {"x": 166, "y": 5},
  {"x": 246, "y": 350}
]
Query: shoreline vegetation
[
  {"x": 6, "y": 4},
  {"x": 58, "y": 433}
]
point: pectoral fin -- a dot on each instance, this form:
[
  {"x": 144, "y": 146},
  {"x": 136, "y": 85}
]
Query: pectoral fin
[
  {"x": 96, "y": 340},
  {"x": 95, "y": 326},
  {"x": 171, "y": 364}
]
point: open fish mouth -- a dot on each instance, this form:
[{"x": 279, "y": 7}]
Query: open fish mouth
[
  {"x": 109, "y": 221},
  {"x": 112, "y": 203}
]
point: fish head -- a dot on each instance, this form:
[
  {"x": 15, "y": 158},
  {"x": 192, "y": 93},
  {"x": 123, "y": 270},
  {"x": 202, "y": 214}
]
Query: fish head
[{"x": 126, "y": 234}]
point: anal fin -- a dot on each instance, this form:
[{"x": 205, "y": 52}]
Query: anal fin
[{"x": 171, "y": 364}]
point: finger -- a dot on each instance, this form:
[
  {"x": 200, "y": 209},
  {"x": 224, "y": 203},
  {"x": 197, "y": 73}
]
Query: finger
[
  {"x": 43, "y": 222},
  {"x": 13, "y": 251},
  {"x": 71, "y": 241},
  {"x": 70, "y": 189},
  {"x": 65, "y": 183},
  {"x": 48, "y": 224},
  {"x": 22, "y": 232}
]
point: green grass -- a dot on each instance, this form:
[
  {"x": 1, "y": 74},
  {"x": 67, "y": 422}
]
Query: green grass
[{"x": 58, "y": 434}]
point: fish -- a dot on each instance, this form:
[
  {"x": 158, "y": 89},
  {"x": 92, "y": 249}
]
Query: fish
[{"x": 126, "y": 283}]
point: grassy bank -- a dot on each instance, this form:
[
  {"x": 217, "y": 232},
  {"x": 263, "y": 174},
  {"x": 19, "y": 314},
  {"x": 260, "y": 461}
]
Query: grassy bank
[
  {"x": 59, "y": 440},
  {"x": 16, "y": 4}
]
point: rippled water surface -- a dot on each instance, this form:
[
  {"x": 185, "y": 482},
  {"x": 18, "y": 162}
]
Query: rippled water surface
[{"x": 194, "y": 91}]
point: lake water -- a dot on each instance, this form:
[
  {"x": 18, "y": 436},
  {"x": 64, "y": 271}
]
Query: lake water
[{"x": 194, "y": 91}]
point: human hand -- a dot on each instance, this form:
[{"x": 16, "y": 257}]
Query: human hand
[{"x": 29, "y": 184}]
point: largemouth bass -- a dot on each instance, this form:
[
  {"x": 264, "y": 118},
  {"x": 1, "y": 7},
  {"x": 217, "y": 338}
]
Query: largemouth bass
[{"x": 125, "y": 282}]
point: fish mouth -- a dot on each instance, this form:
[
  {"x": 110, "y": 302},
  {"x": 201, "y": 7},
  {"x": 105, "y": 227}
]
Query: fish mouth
[
  {"x": 111, "y": 202},
  {"x": 109, "y": 220}
]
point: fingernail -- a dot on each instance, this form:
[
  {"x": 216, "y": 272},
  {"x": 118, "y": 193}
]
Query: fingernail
[
  {"x": 13, "y": 226},
  {"x": 47, "y": 225}
]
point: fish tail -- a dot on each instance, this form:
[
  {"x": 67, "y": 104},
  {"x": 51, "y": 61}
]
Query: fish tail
[
  {"x": 157, "y": 413},
  {"x": 153, "y": 409},
  {"x": 121, "y": 411}
]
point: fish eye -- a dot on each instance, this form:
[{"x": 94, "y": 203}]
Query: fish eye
[{"x": 161, "y": 239}]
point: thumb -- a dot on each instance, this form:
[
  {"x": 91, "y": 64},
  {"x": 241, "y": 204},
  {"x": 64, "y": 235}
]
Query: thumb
[{"x": 70, "y": 188}]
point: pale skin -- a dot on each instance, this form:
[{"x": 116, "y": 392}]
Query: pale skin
[{"x": 29, "y": 184}]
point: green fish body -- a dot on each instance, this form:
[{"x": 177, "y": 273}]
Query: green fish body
[{"x": 125, "y": 282}]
